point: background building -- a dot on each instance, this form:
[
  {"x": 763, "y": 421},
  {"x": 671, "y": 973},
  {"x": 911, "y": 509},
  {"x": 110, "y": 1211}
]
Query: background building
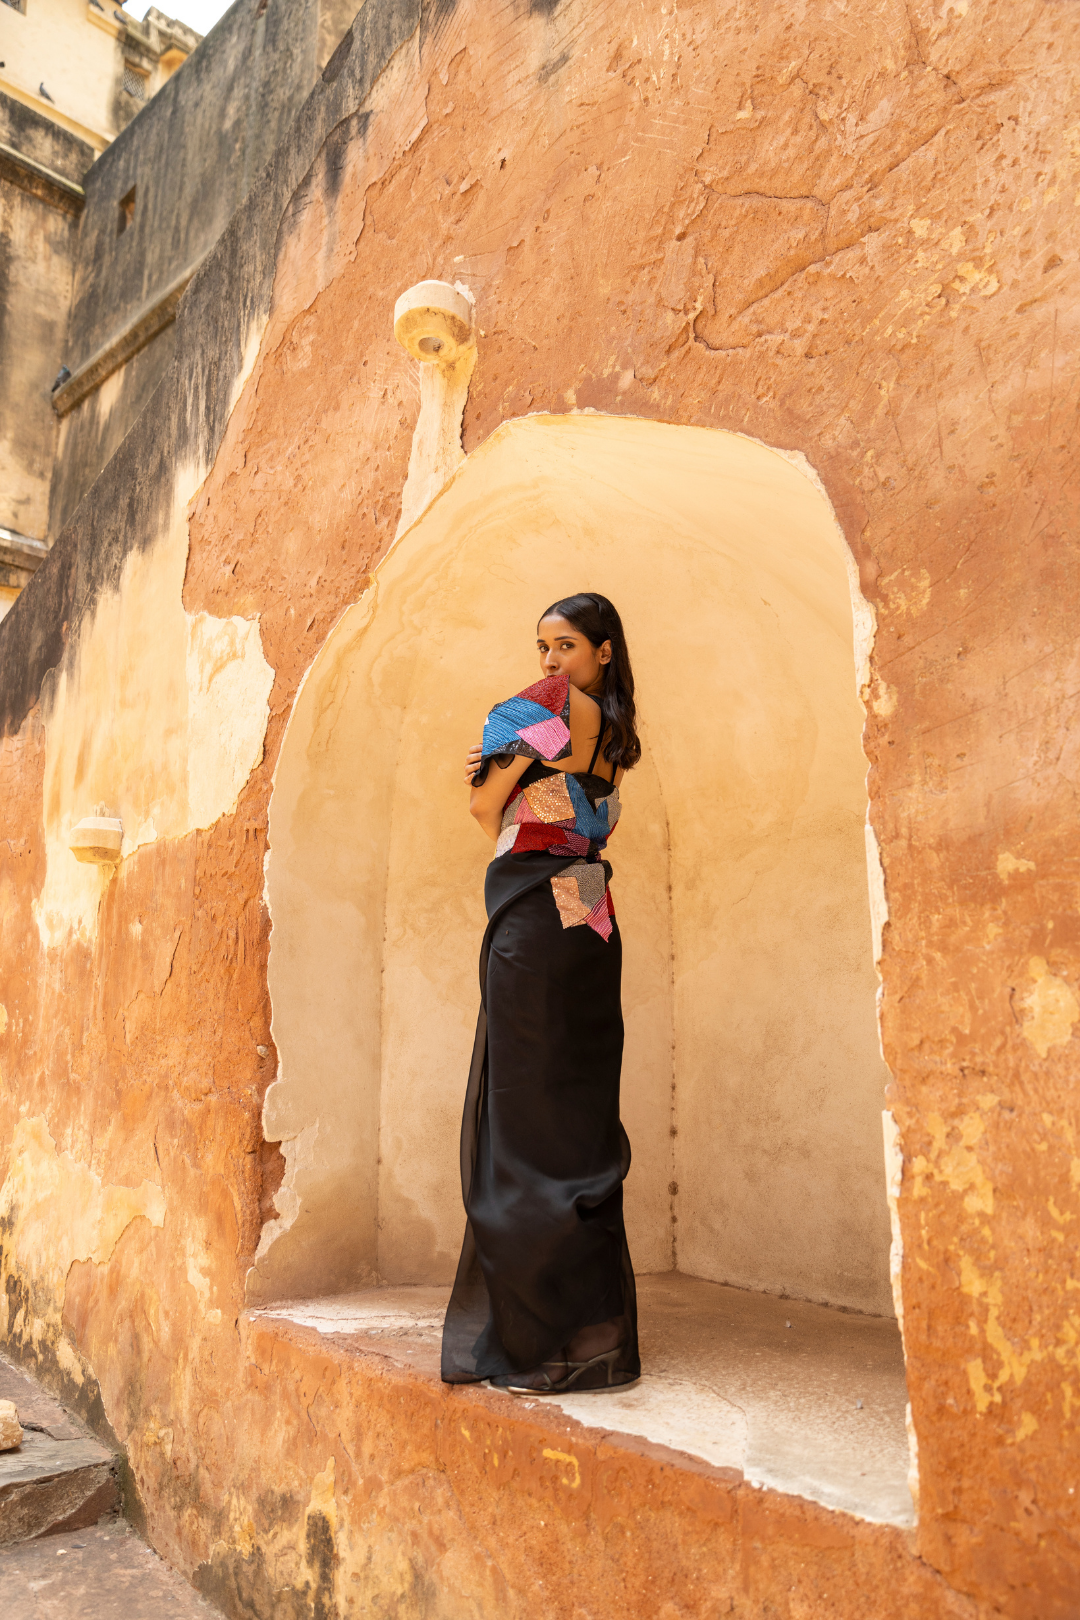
[
  {"x": 98, "y": 241},
  {"x": 41, "y": 199},
  {"x": 73, "y": 74},
  {"x": 88, "y": 66}
]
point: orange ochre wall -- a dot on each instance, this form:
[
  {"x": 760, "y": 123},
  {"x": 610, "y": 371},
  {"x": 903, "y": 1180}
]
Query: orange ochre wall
[{"x": 847, "y": 229}]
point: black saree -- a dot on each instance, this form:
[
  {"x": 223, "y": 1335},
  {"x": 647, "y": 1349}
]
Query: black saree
[{"x": 543, "y": 1151}]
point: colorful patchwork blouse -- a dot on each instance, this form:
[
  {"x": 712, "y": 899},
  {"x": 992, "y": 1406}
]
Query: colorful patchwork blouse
[{"x": 561, "y": 812}]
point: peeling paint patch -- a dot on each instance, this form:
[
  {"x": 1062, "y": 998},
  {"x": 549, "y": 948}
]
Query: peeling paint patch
[
  {"x": 894, "y": 1176},
  {"x": 572, "y": 1477},
  {"x": 980, "y": 1384},
  {"x": 910, "y": 594},
  {"x": 1049, "y": 1010},
  {"x": 881, "y": 698},
  {"x": 206, "y": 684},
  {"x": 436, "y": 447},
  {"x": 1013, "y": 1363},
  {"x": 58, "y": 1212},
  {"x": 977, "y": 278},
  {"x": 879, "y": 904},
  {"x": 58, "y": 1205},
  {"x": 953, "y": 1161},
  {"x": 322, "y": 1495},
  {"x": 1007, "y": 864},
  {"x": 299, "y": 1152}
]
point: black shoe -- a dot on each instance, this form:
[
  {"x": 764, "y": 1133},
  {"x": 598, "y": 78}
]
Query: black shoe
[{"x": 596, "y": 1373}]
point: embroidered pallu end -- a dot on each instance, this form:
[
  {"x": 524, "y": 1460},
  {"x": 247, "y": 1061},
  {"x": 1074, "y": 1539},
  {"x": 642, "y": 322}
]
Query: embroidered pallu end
[{"x": 535, "y": 722}]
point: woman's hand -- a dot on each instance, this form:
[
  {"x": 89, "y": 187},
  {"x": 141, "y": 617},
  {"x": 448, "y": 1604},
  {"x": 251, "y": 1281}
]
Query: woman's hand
[{"x": 472, "y": 762}]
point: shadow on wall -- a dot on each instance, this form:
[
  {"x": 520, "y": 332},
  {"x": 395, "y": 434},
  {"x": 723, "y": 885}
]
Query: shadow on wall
[{"x": 753, "y": 1082}]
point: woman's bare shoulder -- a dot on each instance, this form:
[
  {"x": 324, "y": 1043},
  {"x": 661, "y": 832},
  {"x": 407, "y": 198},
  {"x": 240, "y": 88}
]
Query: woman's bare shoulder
[
  {"x": 585, "y": 721},
  {"x": 581, "y": 704},
  {"x": 585, "y": 718}
]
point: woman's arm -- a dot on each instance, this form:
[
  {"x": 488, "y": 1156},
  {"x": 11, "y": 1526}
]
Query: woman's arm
[{"x": 486, "y": 801}]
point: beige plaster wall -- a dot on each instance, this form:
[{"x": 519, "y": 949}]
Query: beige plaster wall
[
  {"x": 157, "y": 716},
  {"x": 740, "y": 878}
]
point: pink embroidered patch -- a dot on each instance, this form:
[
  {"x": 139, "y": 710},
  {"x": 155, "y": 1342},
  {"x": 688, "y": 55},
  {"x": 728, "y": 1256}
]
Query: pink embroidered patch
[
  {"x": 571, "y": 843},
  {"x": 548, "y": 737},
  {"x": 599, "y": 919}
]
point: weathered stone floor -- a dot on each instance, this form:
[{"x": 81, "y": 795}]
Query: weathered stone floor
[
  {"x": 104, "y": 1573},
  {"x": 770, "y": 1386}
]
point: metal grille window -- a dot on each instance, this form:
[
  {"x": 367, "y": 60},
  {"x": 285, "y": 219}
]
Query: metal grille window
[
  {"x": 134, "y": 82},
  {"x": 17, "y": 5}
]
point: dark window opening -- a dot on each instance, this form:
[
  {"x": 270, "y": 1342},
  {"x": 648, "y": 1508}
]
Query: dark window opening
[
  {"x": 16, "y": 5},
  {"x": 127, "y": 212}
]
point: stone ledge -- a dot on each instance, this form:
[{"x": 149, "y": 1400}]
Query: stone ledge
[
  {"x": 102, "y": 1573},
  {"x": 391, "y": 1486},
  {"x": 49, "y": 1486},
  {"x": 153, "y": 318},
  {"x": 39, "y": 181},
  {"x": 801, "y": 1399}
]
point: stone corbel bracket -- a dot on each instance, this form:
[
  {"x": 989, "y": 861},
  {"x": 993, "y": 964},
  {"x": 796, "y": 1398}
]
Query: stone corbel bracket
[
  {"x": 434, "y": 323},
  {"x": 97, "y": 839}
]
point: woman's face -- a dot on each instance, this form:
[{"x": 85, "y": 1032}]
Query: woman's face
[{"x": 565, "y": 651}]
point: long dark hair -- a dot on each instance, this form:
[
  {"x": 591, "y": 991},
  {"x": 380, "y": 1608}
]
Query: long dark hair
[{"x": 597, "y": 619}]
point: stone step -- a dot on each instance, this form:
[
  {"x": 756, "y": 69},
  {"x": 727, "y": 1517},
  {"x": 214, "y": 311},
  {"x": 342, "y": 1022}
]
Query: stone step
[
  {"x": 105, "y": 1573},
  {"x": 50, "y": 1486},
  {"x": 65, "y": 1552},
  {"x": 60, "y": 1479}
]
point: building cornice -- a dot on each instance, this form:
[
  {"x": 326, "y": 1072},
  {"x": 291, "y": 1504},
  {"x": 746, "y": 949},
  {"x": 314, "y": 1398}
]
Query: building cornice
[
  {"x": 99, "y": 139},
  {"x": 34, "y": 177},
  {"x": 155, "y": 33},
  {"x": 142, "y": 329},
  {"x": 107, "y": 23},
  {"x": 20, "y": 558}
]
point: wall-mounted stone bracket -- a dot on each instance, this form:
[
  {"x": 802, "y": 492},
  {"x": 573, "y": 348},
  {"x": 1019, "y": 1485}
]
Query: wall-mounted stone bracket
[
  {"x": 97, "y": 839},
  {"x": 434, "y": 324}
]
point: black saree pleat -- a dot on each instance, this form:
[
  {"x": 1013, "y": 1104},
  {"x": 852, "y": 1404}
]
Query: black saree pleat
[{"x": 543, "y": 1151}]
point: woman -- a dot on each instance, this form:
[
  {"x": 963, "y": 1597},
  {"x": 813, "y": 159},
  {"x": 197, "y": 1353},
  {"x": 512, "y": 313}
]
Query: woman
[{"x": 544, "y": 1298}]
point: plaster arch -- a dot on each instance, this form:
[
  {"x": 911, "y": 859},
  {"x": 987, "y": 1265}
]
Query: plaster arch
[{"x": 753, "y": 1079}]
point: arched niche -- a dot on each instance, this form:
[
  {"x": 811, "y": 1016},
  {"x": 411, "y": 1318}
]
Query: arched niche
[{"x": 753, "y": 1081}]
